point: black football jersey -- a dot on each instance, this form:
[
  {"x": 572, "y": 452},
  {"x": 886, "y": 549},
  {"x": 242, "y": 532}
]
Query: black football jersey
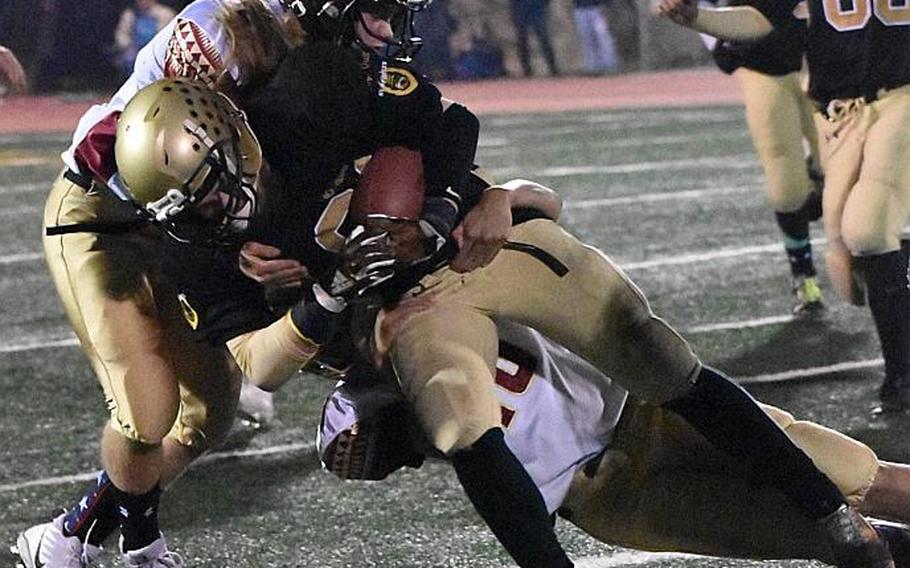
[
  {"x": 855, "y": 47},
  {"x": 779, "y": 53}
]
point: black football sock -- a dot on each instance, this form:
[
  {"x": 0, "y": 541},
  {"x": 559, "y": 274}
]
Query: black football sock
[
  {"x": 889, "y": 301},
  {"x": 796, "y": 242},
  {"x": 811, "y": 210},
  {"x": 731, "y": 420},
  {"x": 504, "y": 495},
  {"x": 138, "y": 517},
  {"x": 94, "y": 518}
]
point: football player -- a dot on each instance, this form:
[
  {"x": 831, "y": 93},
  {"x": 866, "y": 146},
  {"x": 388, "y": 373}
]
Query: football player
[
  {"x": 779, "y": 116},
  {"x": 859, "y": 63},
  {"x": 170, "y": 397},
  {"x": 626, "y": 472}
]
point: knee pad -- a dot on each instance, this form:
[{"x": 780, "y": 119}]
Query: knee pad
[
  {"x": 453, "y": 413},
  {"x": 850, "y": 464},
  {"x": 872, "y": 221}
]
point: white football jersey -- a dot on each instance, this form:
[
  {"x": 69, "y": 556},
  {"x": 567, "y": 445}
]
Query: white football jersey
[
  {"x": 194, "y": 44},
  {"x": 558, "y": 410}
]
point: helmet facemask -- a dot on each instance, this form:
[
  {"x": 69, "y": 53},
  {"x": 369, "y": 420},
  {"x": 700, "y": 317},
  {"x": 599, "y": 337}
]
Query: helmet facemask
[
  {"x": 217, "y": 198},
  {"x": 404, "y": 43},
  {"x": 336, "y": 20}
]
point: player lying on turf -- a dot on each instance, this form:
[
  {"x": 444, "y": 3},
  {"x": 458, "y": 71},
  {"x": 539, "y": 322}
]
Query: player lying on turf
[{"x": 626, "y": 472}]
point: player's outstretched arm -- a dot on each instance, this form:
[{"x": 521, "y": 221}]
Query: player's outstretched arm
[{"x": 734, "y": 23}]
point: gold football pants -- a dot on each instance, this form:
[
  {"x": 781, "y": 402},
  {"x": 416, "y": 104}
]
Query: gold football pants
[
  {"x": 661, "y": 486},
  {"x": 157, "y": 379},
  {"x": 445, "y": 356},
  {"x": 865, "y": 149},
  {"x": 779, "y": 115}
]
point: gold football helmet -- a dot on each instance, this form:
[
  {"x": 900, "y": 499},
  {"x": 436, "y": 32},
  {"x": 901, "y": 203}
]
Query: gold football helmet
[{"x": 186, "y": 153}]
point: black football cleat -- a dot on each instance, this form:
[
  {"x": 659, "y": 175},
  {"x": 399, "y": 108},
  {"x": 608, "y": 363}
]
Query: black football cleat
[
  {"x": 854, "y": 543},
  {"x": 895, "y": 402},
  {"x": 897, "y": 535}
]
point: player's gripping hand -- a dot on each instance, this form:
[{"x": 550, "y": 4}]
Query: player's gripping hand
[
  {"x": 263, "y": 263},
  {"x": 366, "y": 261},
  {"x": 682, "y": 12},
  {"x": 483, "y": 231}
]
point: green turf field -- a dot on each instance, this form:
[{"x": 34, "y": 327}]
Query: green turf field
[{"x": 674, "y": 195}]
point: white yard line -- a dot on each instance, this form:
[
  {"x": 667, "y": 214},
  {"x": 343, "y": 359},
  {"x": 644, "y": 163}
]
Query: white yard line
[
  {"x": 737, "y": 162},
  {"x": 692, "y": 258},
  {"x": 744, "y": 324},
  {"x": 645, "y": 198},
  {"x": 25, "y": 210},
  {"x": 810, "y": 372},
  {"x": 37, "y": 344},
  {"x": 632, "y": 558},
  {"x": 21, "y": 257},
  {"x": 24, "y": 188},
  {"x": 204, "y": 460}
]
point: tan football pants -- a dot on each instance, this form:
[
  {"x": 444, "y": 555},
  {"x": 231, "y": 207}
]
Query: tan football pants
[
  {"x": 663, "y": 487},
  {"x": 157, "y": 379},
  {"x": 445, "y": 356},
  {"x": 779, "y": 115},
  {"x": 865, "y": 150}
]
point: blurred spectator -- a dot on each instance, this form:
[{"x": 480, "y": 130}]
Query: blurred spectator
[
  {"x": 483, "y": 58},
  {"x": 528, "y": 14},
  {"x": 436, "y": 25},
  {"x": 137, "y": 26},
  {"x": 597, "y": 44},
  {"x": 12, "y": 75}
]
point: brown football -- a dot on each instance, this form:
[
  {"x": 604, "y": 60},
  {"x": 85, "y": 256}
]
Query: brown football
[{"x": 391, "y": 186}]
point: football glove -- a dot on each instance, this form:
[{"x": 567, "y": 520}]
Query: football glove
[{"x": 366, "y": 262}]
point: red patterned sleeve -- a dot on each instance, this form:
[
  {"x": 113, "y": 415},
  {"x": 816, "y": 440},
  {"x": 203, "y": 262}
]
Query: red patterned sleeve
[
  {"x": 95, "y": 153},
  {"x": 192, "y": 53}
]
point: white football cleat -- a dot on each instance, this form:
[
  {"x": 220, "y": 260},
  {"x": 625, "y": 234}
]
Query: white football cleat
[
  {"x": 45, "y": 545},
  {"x": 256, "y": 407},
  {"x": 154, "y": 555}
]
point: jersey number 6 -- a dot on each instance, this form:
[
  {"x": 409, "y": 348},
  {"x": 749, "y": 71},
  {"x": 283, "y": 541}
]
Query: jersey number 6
[{"x": 850, "y": 15}]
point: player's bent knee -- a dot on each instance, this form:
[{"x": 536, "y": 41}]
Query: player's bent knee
[
  {"x": 143, "y": 432},
  {"x": 850, "y": 464},
  {"x": 866, "y": 239},
  {"x": 455, "y": 412},
  {"x": 663, "y": 365}
]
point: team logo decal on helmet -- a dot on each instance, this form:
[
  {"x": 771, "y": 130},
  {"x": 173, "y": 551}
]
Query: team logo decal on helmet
[{"x": 397, "y": 81}]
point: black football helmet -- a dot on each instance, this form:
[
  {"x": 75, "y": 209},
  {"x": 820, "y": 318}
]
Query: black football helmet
[{"x": 335, "y": 20}]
